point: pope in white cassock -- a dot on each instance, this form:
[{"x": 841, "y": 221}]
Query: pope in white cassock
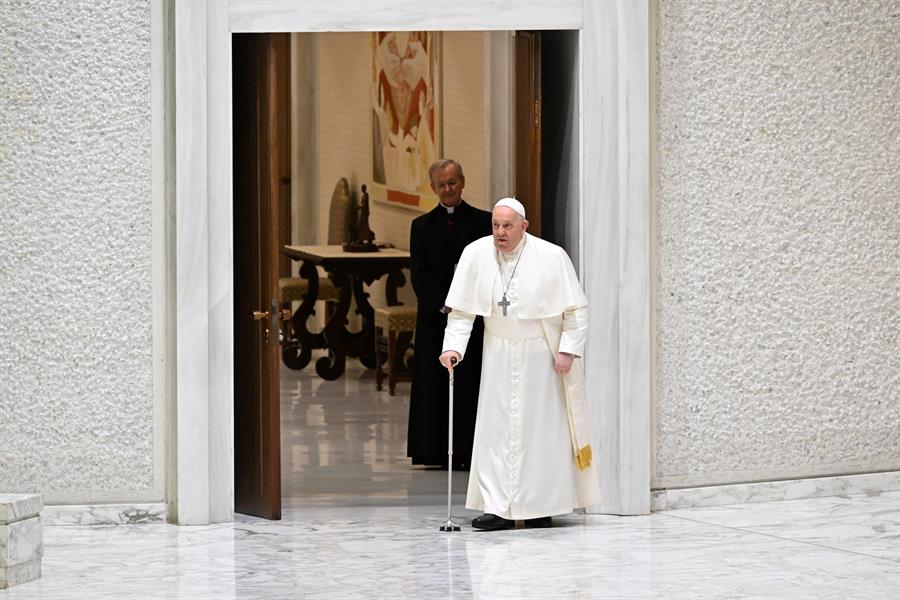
[{"x": 531, "y": 457}]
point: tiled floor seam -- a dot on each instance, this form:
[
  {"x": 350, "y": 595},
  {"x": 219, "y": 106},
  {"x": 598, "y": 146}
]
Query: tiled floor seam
[{"x": 777, "y": 537}]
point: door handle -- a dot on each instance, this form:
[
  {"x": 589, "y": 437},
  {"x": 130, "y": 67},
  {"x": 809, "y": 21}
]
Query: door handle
[
  {"x": 260, "y": 315},
  {"x": 274, "y": 315}
]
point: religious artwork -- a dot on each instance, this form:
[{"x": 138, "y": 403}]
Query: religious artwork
[{"x": 406, "y": 116}]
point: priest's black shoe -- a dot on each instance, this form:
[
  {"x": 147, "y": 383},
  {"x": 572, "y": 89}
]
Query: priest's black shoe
[
  {"x": 539, "y": 522},
  {"x": 490, "y": 522}
]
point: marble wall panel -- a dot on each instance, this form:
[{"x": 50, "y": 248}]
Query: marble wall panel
[{"x": 388, "y": 15}]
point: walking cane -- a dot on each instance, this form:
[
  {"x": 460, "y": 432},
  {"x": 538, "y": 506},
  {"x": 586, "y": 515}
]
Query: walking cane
[{"x": 450, "y": 525}]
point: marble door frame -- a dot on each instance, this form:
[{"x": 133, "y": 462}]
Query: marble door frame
[{"x": 614, "y": 205}]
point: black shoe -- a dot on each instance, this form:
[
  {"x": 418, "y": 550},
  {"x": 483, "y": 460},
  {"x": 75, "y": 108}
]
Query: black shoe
[
  {"x": 539, "y": 522},
  {"x": 490, "y": 522}
]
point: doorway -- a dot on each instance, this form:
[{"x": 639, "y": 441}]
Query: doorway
[
  {"x": 616, "y": 72},
  {"x": 337, "y": 439}
]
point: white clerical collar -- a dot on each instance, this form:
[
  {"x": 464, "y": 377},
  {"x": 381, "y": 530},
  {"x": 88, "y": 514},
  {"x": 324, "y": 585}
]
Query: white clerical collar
[
  {"x": 507, "y": 256},
  {"x": 449, "y": 209}
]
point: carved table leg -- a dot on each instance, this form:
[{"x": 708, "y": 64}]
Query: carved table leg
[
  {"x": 361, "y": 343},
  {"x": 333, "y": 366},
  {"x": 297, "y": 351}
]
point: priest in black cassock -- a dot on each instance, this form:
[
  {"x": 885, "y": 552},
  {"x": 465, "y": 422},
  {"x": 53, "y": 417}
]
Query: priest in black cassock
[{"x": 436, "y": 241}]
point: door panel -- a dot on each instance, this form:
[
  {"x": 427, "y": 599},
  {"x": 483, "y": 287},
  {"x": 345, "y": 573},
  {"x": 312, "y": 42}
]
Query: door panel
[
  {"x": 260, "y": 64},
  {"x": 528, "y": 126}
]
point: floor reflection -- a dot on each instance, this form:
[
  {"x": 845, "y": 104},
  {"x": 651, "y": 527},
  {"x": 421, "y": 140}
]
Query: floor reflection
[{"x": 344, "y": 443}]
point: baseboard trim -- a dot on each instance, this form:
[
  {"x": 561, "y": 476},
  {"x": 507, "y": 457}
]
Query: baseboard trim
[
  {"x": 103, "y": 514},
  {"x": 768, "y": 491}
]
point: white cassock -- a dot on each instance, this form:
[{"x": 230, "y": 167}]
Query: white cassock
[{"x": 531, "y": 456}]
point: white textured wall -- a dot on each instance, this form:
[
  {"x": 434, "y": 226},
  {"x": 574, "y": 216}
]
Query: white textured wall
[
  {"x": 778, "y": 221},
  {"x": 76, "y": 409}
]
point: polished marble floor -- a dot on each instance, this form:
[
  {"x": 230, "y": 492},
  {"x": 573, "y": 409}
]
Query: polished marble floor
[{"x": 359, "y": 522}]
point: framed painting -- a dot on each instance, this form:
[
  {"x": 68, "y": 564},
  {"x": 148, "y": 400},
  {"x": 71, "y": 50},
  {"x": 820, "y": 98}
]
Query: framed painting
[{"x": 406, "y": 116}]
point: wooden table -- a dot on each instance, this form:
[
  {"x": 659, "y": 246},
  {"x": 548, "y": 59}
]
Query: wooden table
[{"x": 348, "y": 271}]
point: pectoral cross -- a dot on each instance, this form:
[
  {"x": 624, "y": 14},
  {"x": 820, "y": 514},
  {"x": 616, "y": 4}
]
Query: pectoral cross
[{"x": 503, "y": 304}]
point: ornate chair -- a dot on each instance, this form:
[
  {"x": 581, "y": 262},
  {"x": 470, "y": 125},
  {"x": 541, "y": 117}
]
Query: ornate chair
[{"x": 394, "y": 328}]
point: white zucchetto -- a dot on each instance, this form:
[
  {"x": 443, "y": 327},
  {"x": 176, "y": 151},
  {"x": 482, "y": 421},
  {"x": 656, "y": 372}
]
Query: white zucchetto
[{"x": 513, "y": 204}]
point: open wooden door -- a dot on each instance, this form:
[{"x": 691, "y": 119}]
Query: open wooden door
[
  {"x": 528, "y": 126},
  {"x": 261, "y": 64}
]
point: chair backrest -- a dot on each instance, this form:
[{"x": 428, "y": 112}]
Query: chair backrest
[{"x": 339, "y": 217}]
